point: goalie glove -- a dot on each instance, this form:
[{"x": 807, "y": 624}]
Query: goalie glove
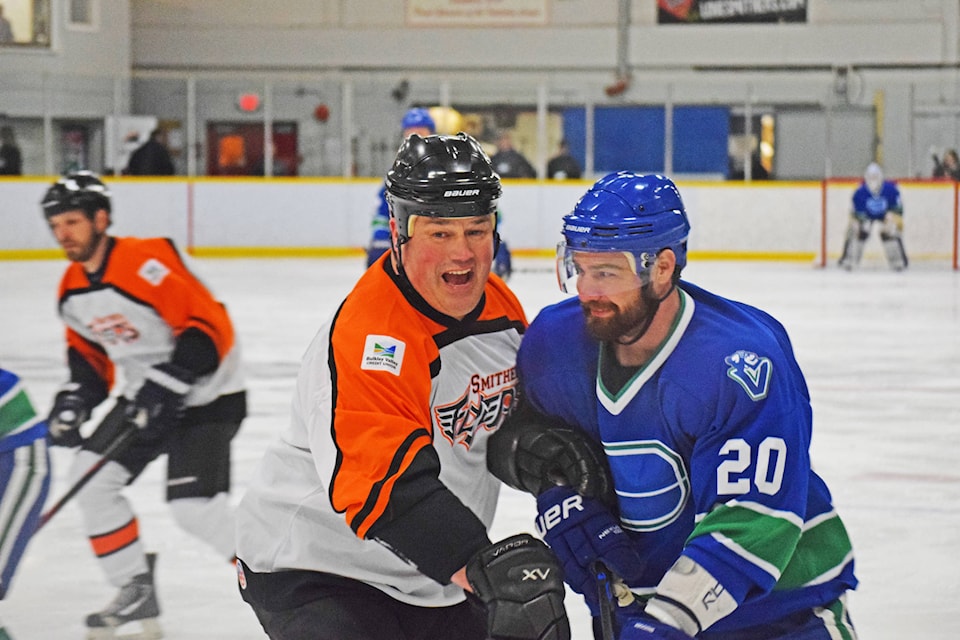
[
  {"x": 159, "y": 403},
  {"x": 521, "y": 585},
  {"x": 70, "y": 410}
]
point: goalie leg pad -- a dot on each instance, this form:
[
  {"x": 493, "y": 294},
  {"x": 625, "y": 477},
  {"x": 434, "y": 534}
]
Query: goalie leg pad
[
  {"x": 857, "y": 233},
  {"x": 896, "y": 256}
]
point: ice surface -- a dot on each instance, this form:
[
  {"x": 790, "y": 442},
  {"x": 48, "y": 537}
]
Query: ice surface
[{"x": 881, "y": 352}]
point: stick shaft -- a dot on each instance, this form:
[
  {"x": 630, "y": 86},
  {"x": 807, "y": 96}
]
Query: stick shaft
[{"x": 117, "y": 446}]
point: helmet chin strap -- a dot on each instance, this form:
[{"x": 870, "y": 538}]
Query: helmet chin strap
[{"x": 653, "y": 306}]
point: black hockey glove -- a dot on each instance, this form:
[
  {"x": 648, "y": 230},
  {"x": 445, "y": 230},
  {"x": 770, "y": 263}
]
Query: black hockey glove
[
  {"x": 521, "y": 584},
  {"x": 530, "y": 454},
  {"x": 159, "y": 404},
  {"x": 70, "y": 410}
]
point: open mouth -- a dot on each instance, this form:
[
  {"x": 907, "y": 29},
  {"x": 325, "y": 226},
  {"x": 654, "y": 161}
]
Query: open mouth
[{"x": 458, "y": 277}]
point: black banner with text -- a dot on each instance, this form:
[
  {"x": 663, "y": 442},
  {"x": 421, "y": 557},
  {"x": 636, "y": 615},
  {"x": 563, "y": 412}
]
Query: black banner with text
[{"x": 728, "y": 11}]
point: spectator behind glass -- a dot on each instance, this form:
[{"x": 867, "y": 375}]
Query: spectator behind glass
[
  {"x": 11, "y": 162},
  {"x": 6, "y": 31},
  {"x": 152, "y": 157},
  {"x": 563, "y": 166},
  {"x": 949, "y": 168},
  {"x": 510, "y": 163}
]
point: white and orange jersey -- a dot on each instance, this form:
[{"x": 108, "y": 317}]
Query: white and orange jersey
[
  {"x": 129, "y": 315},
  {"x": 381, "y": 475}
]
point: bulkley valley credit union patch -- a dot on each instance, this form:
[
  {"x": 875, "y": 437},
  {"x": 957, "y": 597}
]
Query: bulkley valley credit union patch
[{"x": 383, "y": 353}]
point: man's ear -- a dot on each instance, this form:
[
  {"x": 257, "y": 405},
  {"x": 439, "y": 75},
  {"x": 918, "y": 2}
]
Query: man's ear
[
  {"x": 394, "y": 238},
  {"x": 101, "y": 220},
  {"x": 665, "y": 266}
]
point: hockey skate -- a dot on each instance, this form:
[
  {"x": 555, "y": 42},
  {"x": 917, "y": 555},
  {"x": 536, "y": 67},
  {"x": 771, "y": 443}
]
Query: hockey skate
[{"x": 135, "y": 605}]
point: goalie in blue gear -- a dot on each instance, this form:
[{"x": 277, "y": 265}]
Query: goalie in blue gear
[
  {"x": 715, "y": 525},
  {"x": 876, "y": 201}
]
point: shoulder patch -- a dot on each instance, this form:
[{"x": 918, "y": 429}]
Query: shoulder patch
[
  {"x": 750, "y": 371},
  {"x": 383, "y": 353},
  {"x": 153, "y": 271}
]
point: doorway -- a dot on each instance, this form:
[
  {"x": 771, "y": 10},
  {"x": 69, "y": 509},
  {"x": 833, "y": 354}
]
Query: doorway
[{"x": 236, "y": 149}]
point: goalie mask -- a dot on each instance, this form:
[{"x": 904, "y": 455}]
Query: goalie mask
[
  {"x": 80, "y": 190},
  {"x": 873, "y": 178},
  {"x": 629, "y": 215},
  {"x": 440, "y": 177}
]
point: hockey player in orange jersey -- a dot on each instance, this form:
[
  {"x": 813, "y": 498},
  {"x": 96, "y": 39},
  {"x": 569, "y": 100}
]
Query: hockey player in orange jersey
[
  {"x": 134, "y": 304},
  {"x": 368, "y": 517}
]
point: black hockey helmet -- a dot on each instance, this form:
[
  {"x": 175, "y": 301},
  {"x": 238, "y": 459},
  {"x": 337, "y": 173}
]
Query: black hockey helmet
[
  {"x": 79, "y": 190},
  {"x": 441, "y": 177}
]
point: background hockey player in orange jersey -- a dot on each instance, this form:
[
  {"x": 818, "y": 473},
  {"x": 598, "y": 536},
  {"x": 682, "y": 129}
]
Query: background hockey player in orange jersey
[
  {"x": 134, "y": 304},
  {"x": 368, "y": 517}
]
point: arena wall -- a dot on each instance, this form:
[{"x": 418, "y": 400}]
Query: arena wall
[{"x": 330, "y": 216}]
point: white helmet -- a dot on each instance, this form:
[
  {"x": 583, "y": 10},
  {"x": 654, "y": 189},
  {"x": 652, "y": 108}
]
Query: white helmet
[{"x": 873, "y": 177}]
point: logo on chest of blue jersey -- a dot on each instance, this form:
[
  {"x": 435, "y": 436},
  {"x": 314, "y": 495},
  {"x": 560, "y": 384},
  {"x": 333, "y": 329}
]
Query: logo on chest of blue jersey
[
  {"x": 484, "y": 406},
  {"x": 652, "y": 483},
  {"x": 750, "y": 371}
]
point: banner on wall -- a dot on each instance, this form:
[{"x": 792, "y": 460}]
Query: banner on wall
[
  {"x": 729, "y": 11},
  {"x": 476, "y": 13}
]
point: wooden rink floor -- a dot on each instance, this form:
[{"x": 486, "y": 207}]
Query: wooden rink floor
[{"x": 880, "y": 350}]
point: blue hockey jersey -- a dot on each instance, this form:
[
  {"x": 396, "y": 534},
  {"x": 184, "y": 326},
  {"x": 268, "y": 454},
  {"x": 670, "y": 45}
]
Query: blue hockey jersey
[
  {"x": 875, "y": 207},
  {"x": 708, "y": 444}
]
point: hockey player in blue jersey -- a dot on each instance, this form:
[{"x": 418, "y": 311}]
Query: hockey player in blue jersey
[
  {"x": 875, "y": 201},
  {"x": 665, "y": 431},
  {"x": 24, "y": 476}
]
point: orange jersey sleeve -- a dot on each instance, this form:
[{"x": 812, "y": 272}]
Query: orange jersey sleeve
[
  {"x": 153, "y": 271},
  {"x": 401, "y": 371}
]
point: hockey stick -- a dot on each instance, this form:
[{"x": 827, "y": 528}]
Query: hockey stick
[
  {"x": 605, "y": 596},
  {"x": 117, "y": 446}
]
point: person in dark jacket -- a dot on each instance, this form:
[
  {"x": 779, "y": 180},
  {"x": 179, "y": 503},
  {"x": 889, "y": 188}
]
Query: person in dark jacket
[{"x": 152, "y": 157}]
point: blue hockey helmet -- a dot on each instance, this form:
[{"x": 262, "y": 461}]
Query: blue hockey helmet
[
  {"x": 82, "y": 190},
  {"x": 441, "y": 177},
  {"x": 639, "y": 215},
  {"x": 418, "y": 118}
]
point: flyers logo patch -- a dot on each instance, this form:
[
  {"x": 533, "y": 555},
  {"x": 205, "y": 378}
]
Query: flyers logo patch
[
  {"x": 750, "y": 371},
  {"x": 383, "y": 353},
  {"x": 461, "y": 420}
]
